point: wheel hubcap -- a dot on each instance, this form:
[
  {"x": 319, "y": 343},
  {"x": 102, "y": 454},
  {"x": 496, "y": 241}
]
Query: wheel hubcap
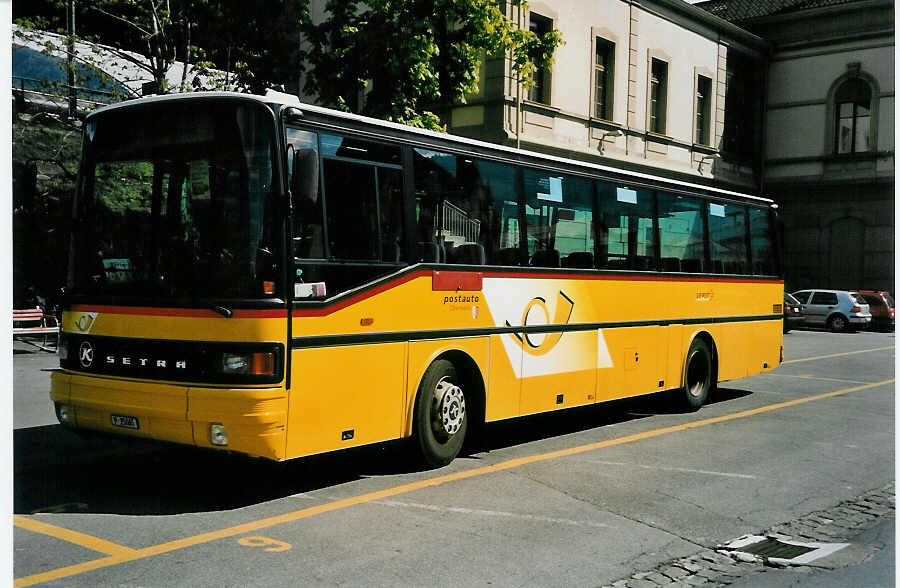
[{"x": 448, "y": 409}]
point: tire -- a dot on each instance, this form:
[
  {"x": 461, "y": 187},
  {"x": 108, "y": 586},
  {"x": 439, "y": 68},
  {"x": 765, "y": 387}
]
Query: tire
[
  {"x": 837, "y": 323},
  {"x": 698, "y": 375},
  {"x": 441, "y": 415},
  {"x": 785, "y": 328}
]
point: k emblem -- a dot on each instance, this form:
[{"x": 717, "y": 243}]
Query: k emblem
[{"x": 86, "y": 354}]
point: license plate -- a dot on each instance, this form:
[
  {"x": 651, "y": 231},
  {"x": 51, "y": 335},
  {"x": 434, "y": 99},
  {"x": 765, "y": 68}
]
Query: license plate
[{"x": 129, "y": 422}]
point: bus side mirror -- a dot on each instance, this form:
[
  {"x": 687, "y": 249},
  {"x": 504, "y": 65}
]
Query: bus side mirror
[{"x": 305, "y": 177}]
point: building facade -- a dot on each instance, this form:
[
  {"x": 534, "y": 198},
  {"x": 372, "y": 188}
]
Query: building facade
[
  {"x": 829, "y": 130},
  {"x": 790, "y": 99},
  {"x": 657, "y": 85}
]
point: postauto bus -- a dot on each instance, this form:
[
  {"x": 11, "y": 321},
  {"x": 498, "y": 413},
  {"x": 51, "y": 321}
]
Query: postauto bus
[{"x": 257, "y": 275}]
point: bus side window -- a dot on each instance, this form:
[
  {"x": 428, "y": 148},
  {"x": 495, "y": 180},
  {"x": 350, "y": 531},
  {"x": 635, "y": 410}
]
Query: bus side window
[
  {"x": 727, "y": 238},
  {"x": 625, "y": 234},
  {"x": 559, "y": 220},
  {"x": 762, "y": 254},
  {"x": 466, "y": 210},
  {"x": 309, "y": 240},
  {"x": 681, "y": 230},
  {"x": 362, "y": 188}
]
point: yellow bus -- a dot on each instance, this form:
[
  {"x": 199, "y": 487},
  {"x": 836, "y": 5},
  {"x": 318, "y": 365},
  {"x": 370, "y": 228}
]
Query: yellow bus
[{"x": 257, "y": 275}]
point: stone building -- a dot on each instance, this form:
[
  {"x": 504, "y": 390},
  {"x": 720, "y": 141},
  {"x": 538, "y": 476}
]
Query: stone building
[
  {"x": 829, "y": 134},
  {"x": 657, "y": 85},
  {"x": 791, "y": 99}
]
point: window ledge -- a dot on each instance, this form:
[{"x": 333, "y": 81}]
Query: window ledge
[
  {"x": 658, "y": 138},
  {"x": 860, "y": 156},
  {"x": 540, "y": 106}
]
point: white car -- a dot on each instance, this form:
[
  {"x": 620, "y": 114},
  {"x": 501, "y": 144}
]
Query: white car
[{"x": 837, "y": 310}]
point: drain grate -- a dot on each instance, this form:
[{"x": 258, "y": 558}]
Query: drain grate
[
  {"x": 769, "y": 547},
  {"x": 779, "y": 549}
]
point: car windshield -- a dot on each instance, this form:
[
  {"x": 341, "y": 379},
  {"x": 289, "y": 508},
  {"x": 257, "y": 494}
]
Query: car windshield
[
  {"x": 790, "y": 299},
  {"x": 858, "y": 298},
  {"x": 890, "y": 300},
  {"x": 176, "y": 201}
]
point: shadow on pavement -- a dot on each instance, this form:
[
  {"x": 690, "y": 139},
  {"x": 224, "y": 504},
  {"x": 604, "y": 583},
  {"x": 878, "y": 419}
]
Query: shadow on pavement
[{"x": 58, "y": 470}]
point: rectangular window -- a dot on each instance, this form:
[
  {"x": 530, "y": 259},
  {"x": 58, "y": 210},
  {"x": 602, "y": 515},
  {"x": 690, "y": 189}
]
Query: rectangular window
[
  {"x": 558, "y": 218},
  {"x": 762, "y": 253},
  {"x": 467, "y": 210},
  {"x": 703, "y": 102},
  {"x": 604, "y": 70},
  {"x": 681, "y": 243},
  {"x": 363, "y": 199},
  {"x": 659, "y": 83},
  {"x": 824, "y": 298},
  {"x": 728, "y": 238},
  {"x": 626, "y": 236},
  {"x": 540, "y": 91},
  {"x": 309, "y": 237}
]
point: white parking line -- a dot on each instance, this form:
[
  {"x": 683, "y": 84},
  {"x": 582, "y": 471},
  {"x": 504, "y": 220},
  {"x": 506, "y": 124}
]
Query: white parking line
[
  {"x": 811, "y": 377},
  {"x": 686, "y": 470},
  {"x": 489, "y": 513}
]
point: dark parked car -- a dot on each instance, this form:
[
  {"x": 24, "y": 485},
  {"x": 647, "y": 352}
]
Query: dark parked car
[
  {"x": 793, "y": 313},
  {"x": 881, "y": 305}
]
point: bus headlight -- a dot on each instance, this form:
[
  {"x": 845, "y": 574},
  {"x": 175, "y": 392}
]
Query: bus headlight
[{"x": 260, "y": 363}]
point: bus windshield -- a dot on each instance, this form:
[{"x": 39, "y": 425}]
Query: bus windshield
[{"x": 176, "y": 201}]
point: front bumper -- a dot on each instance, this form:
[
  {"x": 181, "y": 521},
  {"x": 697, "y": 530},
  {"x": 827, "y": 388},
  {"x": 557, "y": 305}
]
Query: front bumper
[{"x": 254, "y": 418}]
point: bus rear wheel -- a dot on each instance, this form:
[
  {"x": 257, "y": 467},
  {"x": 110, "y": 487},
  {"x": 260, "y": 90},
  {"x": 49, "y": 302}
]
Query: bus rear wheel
[
  {"x": 698, "y": 375},
  {"x": 441, "y": 417}
]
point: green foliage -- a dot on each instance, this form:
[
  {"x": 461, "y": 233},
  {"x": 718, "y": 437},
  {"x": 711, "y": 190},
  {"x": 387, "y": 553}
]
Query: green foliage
[
  {"x": 45, "y": 164},
  {"x": 403, "y": 60},
  {"x": 231, "y": 44}
]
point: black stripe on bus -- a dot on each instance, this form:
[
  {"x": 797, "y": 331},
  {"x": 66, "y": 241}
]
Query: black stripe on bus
[{"x": 400, "y": 336}]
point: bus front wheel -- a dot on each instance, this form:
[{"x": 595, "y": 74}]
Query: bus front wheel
[
  {"x": 441, "y": 417},
  {"x": 698, "y": 374}
]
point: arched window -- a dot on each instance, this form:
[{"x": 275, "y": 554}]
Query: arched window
[{"x": 852, "y": 111}]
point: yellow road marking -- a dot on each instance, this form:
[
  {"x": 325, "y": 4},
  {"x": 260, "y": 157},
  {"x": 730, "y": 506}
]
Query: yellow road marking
[
  {"x": 830, "y": 355},
  {"x": 82, "y": 539},
  {"x": 410, "y": 487}
]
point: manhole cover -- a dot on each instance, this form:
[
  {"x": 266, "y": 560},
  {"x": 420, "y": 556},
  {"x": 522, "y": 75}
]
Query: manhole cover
[{"x": 779, "y": 549}]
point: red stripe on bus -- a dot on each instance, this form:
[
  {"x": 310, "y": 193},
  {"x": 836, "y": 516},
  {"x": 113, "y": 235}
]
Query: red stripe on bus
[
  {"x": 182, "y": 312},
  {"x": 324, "y": 311},
  {"x": 362, "y": 295}
]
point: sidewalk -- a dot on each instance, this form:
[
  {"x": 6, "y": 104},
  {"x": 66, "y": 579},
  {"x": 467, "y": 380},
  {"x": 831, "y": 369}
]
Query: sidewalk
[{"x": 866, "y": 522}]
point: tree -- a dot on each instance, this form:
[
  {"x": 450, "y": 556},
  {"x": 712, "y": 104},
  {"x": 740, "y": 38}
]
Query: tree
[
  {"x": 413, "y": 59},
  {"x": 223, "y": 43}
]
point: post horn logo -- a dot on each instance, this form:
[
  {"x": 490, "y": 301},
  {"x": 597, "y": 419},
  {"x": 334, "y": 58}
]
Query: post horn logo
[
  {"x": 84, "y": 322},
  {"x": 539, "y": 343}
]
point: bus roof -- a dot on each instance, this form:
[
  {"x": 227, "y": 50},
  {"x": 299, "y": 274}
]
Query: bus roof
[{"x": 283, "y": 99}]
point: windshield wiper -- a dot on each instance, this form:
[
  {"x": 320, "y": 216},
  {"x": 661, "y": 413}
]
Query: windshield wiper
[{"x": 226, "y": 312}]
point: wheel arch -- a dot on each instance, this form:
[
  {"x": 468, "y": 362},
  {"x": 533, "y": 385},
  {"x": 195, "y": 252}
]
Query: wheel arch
[{"x": 473, "y": 386}]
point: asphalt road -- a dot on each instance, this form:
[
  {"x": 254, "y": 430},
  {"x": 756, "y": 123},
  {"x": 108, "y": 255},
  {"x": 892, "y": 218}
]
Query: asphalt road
[{"x": 581, "y": 498}]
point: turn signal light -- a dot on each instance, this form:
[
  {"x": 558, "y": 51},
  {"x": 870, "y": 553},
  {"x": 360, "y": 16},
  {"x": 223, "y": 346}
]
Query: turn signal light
[
  {"x": 855, "y": 309},
  {"x": 262, "y": 364}
]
